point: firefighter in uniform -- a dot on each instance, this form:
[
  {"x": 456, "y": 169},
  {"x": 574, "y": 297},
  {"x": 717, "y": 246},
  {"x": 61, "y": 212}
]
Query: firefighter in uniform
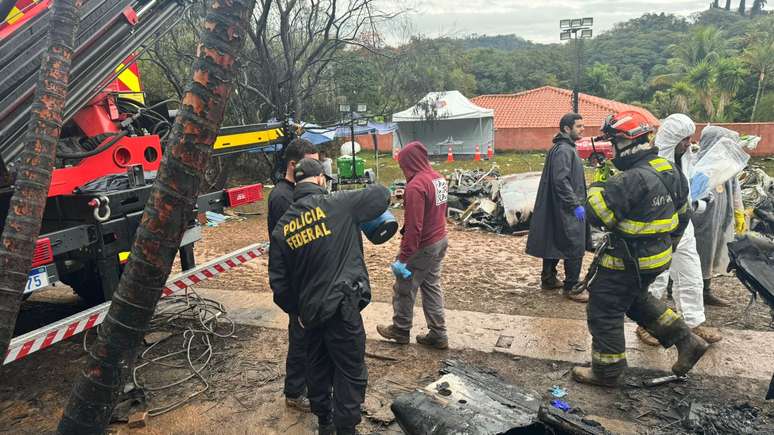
[
  {"x": 317, "y": 271},
  {"x": 645, "y": 210}
]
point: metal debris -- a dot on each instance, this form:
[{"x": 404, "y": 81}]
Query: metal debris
[
  {"x": 758, "y": 195},
  {"x": 485, "y": 199}
]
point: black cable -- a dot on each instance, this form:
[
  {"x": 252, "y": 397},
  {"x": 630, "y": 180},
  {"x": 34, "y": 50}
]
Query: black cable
[{"x": 81, "y": 155}]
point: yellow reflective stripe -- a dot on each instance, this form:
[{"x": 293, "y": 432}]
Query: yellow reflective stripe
[
  {"x": 609, "y": 262},
  {"x": 600, "y": 208},
  {"x": 656, "y": 261},
  {"x": 608, "y": 358},
  {"x": 656, "y": 226},
  {"x": 660, "y": 164},
  {"x": 668, "y": 317},
  {"x": 646, "y": 263},
  {"x": 683, "y": 209}
]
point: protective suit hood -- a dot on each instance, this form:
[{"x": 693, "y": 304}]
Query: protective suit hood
[
  {"x": 711, "y": 135},
  {"x": 412, "y": 159},
  {"x": 673, "y": 130}
]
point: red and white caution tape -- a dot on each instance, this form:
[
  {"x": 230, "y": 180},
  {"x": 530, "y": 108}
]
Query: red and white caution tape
[{"x": 44, "y": 337}]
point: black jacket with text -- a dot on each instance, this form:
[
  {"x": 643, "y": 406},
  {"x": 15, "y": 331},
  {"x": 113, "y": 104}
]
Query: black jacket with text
[
  {"x": 645, "y": 207},
  {"x": 316, "y": 259}
]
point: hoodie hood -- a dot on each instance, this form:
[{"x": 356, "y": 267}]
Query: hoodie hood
[
  {"x": 673, "y": 130},
  {"x": 412, "y": 159}
]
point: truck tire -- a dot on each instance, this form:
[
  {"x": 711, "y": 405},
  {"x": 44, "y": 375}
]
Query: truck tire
[{"x": 87, "y": 284}]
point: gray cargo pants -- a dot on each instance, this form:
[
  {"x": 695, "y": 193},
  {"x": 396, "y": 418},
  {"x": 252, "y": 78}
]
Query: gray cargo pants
[{"x": 425, "y": 267}]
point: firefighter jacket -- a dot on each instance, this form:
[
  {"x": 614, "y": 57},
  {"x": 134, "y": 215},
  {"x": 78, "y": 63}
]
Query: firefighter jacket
[
  {"x": 645, "y": 209},
  {"x": 316, "y": 259}
]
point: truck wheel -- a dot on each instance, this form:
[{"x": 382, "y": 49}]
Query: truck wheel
[{"x": 86, "y": 284}]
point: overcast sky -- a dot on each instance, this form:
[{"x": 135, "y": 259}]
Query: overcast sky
[{"x": 536, "y": 20}]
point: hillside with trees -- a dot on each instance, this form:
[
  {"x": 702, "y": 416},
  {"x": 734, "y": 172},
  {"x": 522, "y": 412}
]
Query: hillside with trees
[{"x": 716, "y": 65}]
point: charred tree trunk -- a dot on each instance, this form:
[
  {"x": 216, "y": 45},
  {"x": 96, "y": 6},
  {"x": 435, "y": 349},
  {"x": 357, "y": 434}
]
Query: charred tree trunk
[
  {"x": 166, "y": 214},
  {"x": 33, "y": 177}
]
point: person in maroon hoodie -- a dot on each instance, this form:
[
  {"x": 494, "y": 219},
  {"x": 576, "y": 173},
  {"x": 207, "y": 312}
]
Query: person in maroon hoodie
[{"x": 422, "y": 250}]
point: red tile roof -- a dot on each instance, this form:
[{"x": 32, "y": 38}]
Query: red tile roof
[{"x": 543, "y": 107}]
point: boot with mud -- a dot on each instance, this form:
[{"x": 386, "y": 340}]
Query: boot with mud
[
  {"x": 432, "y": 340},
  {"x": 709, "y": 334},
  {"x": 551, "y": 283},
  {"x": 646, "y": 337},
  {"x": 689, "y": 351},
  {"x": 711, "y": 299},
  {"x": 585, "y": 375},
  {"x": 390, "y": 332}
]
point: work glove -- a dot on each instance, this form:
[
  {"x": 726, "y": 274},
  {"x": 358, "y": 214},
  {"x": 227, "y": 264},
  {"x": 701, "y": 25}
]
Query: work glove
[
  {"x": 698, "y": 185},
  {"x": 400, "y": 270},
  {"x": 740, "y": 225},
  {"x": 580, "y": 213}
]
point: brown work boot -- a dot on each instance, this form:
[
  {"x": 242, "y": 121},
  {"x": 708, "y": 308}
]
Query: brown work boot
[
  {"x": 585, "y": 375},
  {"x": 582, "y": 297},
  {"x": 646, "y": 337},
  {"x": 390, "y": 332},
  {"x": 709, "y": 334},
  {"x": 711, "y": 299},
  {"x": 689, "y": 351},
  {"x": 433, "y": 340},
  {"x": 552, "y": 283}
]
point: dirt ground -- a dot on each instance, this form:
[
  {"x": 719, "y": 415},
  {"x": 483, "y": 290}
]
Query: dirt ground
[
  {"x": 245, "y": 394},
  {"x": 483, "y": 272}
]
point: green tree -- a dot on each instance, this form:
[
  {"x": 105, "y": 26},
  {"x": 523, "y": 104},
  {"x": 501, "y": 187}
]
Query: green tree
[
  {"x": 729, "y": 77},
  {"x": 759, "y": 56},
  {"x": 757, "y": 7},
  {"x": 600, "y": 79}
]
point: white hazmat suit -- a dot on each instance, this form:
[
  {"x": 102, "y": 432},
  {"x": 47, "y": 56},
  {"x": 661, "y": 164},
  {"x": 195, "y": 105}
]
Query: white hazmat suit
[{"x": 685, "y": 271}]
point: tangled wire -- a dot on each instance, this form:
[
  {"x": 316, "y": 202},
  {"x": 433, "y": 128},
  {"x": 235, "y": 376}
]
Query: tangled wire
[{"x": 199, "y": 321}]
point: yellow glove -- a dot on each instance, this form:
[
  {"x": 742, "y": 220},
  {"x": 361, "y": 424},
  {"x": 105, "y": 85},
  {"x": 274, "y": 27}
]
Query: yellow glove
[{"x": 740, "y": 225}]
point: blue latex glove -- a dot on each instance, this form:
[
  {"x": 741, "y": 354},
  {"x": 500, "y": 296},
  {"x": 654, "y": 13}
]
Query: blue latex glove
[
  {"x": 400, "y": 270},
  {"x": 580, "y": 213},
  {"x": 698, "y": 185}
]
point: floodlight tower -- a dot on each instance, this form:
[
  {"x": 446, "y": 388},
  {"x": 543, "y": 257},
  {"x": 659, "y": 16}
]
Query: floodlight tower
[{"x": 577, "y": 29}]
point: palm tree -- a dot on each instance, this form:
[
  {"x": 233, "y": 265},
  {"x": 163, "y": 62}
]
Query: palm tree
[
  {"x": 25, "y": 214},
  {"x": 742, "y": 7},
  {"x": 701, "y": 78},
  {"x": 759, "y": 56},
  {"x": 704, "y": 44},
  {"x": 757, "y": 7},
  {"x": 729, "y": 77}
]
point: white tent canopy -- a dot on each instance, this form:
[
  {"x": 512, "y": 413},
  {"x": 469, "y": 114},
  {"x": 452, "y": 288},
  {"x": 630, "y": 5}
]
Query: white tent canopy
[
  {"x": 446, "y": 121},
  {"x": 447, "y": 105}
]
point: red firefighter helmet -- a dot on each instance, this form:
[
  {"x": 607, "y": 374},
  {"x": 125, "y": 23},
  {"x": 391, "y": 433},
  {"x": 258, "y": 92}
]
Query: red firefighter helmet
[{"x": 629, "y": 125}]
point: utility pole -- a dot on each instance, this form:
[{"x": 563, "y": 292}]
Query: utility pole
[{"x": 577, "y": 29}]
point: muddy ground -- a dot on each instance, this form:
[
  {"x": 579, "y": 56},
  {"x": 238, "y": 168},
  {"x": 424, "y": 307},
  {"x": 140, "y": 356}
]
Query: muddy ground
[
  {"x": 245, "y": 394},
  {"x": 483, "y": 272}
]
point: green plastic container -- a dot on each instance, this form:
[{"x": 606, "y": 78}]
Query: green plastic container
[{"x": 344, "y": 166}]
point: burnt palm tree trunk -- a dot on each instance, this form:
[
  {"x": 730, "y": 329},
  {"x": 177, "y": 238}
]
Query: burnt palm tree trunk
[
  {"x": 33, "y": 175},
  {"x": 166, "y": 214}
]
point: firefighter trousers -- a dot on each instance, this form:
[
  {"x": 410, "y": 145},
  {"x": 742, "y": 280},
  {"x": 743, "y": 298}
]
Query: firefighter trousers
[
  {"x": 613, "y": 294},
  {"x": 337, "y": 371}
]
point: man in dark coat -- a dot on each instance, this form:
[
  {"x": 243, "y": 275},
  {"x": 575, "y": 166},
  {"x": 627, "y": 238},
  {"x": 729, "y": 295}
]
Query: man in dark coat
[{"x": 558, "y": 227}]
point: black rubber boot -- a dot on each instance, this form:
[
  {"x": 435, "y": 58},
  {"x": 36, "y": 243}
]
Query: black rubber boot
[
  {"x": 710, "y": 299},
  {"x": 689, "y": 351}
]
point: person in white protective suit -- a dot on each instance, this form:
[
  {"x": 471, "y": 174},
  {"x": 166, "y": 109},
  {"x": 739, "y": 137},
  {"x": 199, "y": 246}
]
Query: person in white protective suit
[{"x": 673, "y": 140}]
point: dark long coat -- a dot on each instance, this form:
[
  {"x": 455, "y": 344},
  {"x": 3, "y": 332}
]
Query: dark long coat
[{"x": 554, "y": 231}]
